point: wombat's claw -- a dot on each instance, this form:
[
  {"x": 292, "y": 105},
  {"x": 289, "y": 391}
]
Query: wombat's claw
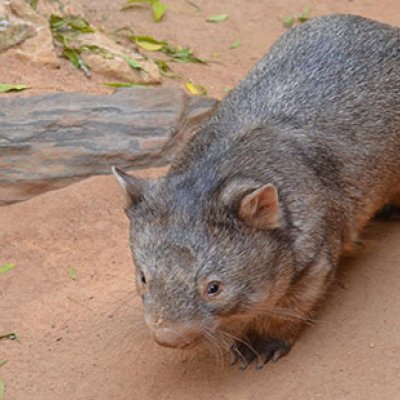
[
  {"x": 234, "y": 355},
  {"x": 271, "y": 350},
  {"x": 241, "y": 354},
  {"x": 261, "y": 351}
]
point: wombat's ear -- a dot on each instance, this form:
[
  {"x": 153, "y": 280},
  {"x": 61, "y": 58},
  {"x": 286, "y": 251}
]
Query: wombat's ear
[
  {"x": 257, "y": 205},
  {"x": 131, "y": 186},
  {"x": 260, "y": 207}
]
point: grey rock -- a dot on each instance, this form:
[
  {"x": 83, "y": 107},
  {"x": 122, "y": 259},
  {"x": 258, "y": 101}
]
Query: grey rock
[
  {"x": 12, "y": 35},
  {"x": 25, "y": 34},
  {"x": 47, "y": 142}
]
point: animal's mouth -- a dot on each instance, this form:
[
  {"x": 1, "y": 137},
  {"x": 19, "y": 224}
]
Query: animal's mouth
[
  {"x": 191, "y": 345},
  {"x": 171, "y": 338}
]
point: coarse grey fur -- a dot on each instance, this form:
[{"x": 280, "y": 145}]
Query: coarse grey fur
[{"x": 319, "y": 119}]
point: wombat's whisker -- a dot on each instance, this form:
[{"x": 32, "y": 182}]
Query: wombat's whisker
[
  {"x": 213, "y": 341},
  {"x": 224, "y": 343},
  {"x": 240, "y": 340},
  {"x": 280, "y": 313}
]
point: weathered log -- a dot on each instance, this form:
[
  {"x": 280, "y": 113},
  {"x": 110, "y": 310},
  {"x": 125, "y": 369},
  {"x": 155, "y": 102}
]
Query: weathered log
[{"x": 47, "y": 142}]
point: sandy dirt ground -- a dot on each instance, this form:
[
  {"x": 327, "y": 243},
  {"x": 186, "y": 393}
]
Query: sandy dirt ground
[
  {"x": 84, "y": 339},
  {"x": 256, "y": 23}
]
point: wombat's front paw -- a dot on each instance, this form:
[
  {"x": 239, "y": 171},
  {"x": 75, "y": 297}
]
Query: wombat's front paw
[{"x": 260, "y": 350}]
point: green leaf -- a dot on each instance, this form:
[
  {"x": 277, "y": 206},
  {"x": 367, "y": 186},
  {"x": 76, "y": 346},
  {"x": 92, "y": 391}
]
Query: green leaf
[
  {"x": 7, "y": 267},
  {"x": 191, "y": 87},
  {"x": 134, "y": 3},
  {"x": 9, "y": 336},
  {"x": 288, "y": 21},
  {"x": 159, "y": 10},
  {"x": 217, "y": 18},
  {"x": 133, "y": 63},
  {"x": 3, "y": 362},
  {"x": 148, "y": 43},
  {"x": 124, "y": 84},
  {"x": 69, "y": 24},
  {"x": 196, "y": 89},
  {"x": 2, "y": 389},
  {"x": 165, "y": 69},
  {"x": 72, "y": 273},
  {"x": 80, "y": 24},
  {"x": 235, "y": 44},
  {"x": 194, "y": 5},
  {"x": 176, "y": 53},
  {"x": 203, "y": 90},
  {"x": 9, "y": 87},
  {"x": 304, "y": 16},
  {"x": 73, "y": 55},
  {"x": 97, "y": 50},
  {"x": 227, "y": 90},
  {"x": 149, "y": 46},
  {"x": 66, "y": 28},
  {"x": 56, "y": 22},
  {"x": 184, "y": 54}
]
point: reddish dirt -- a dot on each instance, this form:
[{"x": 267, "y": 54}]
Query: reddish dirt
[
  {"x": 85, "y": 339},
  {"x": 256, "y": 24}
]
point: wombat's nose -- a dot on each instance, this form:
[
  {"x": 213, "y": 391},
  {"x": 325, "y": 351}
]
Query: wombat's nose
[{"x": 175, "y": 337}]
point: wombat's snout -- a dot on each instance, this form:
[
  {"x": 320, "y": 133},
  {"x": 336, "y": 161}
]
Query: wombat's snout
[{"x": 175, "y": 336}]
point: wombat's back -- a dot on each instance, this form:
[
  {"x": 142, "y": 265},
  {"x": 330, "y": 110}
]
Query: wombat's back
[
  {"x": 332, "y": 83},
  {"x": 339, "y": 69}
]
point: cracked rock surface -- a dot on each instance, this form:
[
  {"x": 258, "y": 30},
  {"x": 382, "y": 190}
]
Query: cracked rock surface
[{"x": 47, "y": 142}]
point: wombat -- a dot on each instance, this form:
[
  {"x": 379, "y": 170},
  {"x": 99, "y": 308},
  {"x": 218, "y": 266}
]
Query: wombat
[{"x": 239, "y": 242}]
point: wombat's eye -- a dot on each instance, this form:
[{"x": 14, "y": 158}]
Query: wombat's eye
[
  {"x": 142, "y": 278},
  {"x": 214, "y": 288}
]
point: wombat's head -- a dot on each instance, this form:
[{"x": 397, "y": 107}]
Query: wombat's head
[{"x": 205, "y": 258}]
